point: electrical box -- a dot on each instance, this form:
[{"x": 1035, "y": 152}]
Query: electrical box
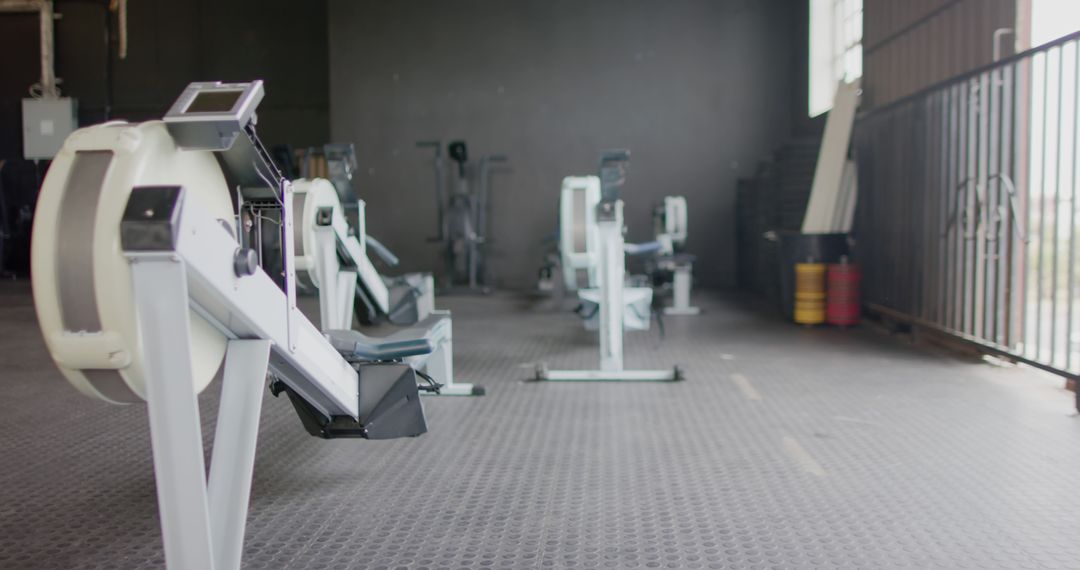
[{"x": 46, "y": 123}]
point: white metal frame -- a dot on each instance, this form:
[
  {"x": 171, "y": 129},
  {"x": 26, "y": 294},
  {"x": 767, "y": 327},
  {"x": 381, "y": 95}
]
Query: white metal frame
[
  {"x": 675, "y": 220},
  {"x": 612, "y": 277},
  {"x": 682, "y": 285},
  {"x": 574, "y": 260},
  {"x": 254, "y": 307},
  {"x": 337, "y": 294},
  {"x": 440, "y": 366},
  {"x": 203, "y": 520},
  {"x": 674, "y": 233},
  {"x": 337, "y": 285}
]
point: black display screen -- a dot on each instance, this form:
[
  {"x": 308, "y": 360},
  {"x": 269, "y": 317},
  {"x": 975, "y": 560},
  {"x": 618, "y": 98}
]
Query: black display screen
[{"x": 214, "y": 101}]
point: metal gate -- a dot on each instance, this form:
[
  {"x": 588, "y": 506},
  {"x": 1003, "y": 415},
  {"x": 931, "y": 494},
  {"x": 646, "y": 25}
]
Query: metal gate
[{"x": 967, "y": 221}]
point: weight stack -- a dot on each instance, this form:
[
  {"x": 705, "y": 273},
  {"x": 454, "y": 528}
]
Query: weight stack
[
  {"x": 843, "y": 304},
  {"x": 810, "y": 297}
]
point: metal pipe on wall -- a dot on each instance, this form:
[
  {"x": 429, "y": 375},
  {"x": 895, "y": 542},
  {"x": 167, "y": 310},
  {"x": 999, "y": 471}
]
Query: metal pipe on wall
[{"x": 47, "y": 85}]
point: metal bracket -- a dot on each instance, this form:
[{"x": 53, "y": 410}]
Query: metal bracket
[{"x": 151, "y": 218}]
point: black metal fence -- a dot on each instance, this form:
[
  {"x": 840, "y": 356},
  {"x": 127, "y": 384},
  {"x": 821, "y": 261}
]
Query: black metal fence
[{"x": 968, "y": 196}]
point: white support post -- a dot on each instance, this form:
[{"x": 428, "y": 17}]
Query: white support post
[
  {"x": 292, "y": 313},
  {"x": 202, "y": 523},
  {"x": 683, "y": 283},
  {"x": 425, "y": 304},
  {"x": 346, "y": 298},
  {"x": 612, "y": 278},
  {"x": 440, "y": 366},
  {"x": 246, "y": 363},
  {"x": 161, "y": 297},
  {"x": 329, "y": 270}
]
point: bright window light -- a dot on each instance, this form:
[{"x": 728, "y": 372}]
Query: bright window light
[
  {"x": 835, "y": 49},
  {"x": 1051, "y": 19}
]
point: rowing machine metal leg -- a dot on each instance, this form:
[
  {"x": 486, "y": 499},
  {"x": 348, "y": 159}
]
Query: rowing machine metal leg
[
  {"x": 683, "y": 282},
  {"x": 160, "y": 291},
  {"x": 337, "y": 288},
  {"x": 673, "y": 375},
  {"x": 202, "y": 524},
  {"x": 233, "y": 459}
]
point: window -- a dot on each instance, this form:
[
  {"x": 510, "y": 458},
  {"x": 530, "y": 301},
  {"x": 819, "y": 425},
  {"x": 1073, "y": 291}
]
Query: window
[{"x": 835, "y": 49}]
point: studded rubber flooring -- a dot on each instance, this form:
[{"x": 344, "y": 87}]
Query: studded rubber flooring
[{"x": 785, "y": 448}]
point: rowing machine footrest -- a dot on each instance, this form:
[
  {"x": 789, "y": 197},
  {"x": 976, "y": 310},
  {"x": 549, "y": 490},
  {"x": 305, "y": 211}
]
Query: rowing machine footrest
[{"x": 390, "y": 406}]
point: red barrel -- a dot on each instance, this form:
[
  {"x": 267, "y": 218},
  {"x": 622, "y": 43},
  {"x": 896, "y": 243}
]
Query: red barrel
[{"x": 842, "y": 307}]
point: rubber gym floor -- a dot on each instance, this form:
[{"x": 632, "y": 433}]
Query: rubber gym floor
[{"x": 785, "y": 447}]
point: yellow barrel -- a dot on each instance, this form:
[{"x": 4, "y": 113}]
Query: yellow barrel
[{"x": 809, "y": 293}]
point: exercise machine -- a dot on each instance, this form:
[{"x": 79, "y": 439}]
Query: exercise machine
[
  {"x": 335, "y": 162},
  {"x": 605, "y": 265},
  {"x": 331, "y": 256},
  {"x": 580, "y": 257},
  {"x": 672, "y": 268},
  {"x": 170, "y": 258},
  {"x": 462, "y": 216},
  {"x": 402, "y": 300}
]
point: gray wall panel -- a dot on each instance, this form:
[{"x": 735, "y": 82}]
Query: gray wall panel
[
  {"x": 698, "y": 90},
  {"x": 914, "y": 44}
]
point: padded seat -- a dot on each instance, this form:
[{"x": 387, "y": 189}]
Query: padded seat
[{"x": 422, "y": 338}]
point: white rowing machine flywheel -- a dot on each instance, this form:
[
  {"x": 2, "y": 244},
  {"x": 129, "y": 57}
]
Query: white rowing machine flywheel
[{"x": 81, "y": 279}]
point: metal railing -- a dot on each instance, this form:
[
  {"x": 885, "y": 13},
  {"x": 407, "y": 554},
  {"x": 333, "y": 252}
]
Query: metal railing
[{"x": 967, "y": 221}]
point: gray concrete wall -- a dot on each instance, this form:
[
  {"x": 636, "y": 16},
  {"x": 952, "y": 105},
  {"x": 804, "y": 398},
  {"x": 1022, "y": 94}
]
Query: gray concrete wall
[{"x": 699, "y": 90}]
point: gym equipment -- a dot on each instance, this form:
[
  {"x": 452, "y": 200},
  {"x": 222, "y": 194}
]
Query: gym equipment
[
  {"x": 171, "y": 252},
  {"x": 668, "y": 268},
  {"x": 335, "y": 162},
  {"x": 401, "y": 300},
  {"x": 579, "y": 246},
  {"x": 462, "y": 216},
  {"x": 333, "y": 259},
  {"x": 671, "y": 266},
  {"x": 608, "y": 257}
]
